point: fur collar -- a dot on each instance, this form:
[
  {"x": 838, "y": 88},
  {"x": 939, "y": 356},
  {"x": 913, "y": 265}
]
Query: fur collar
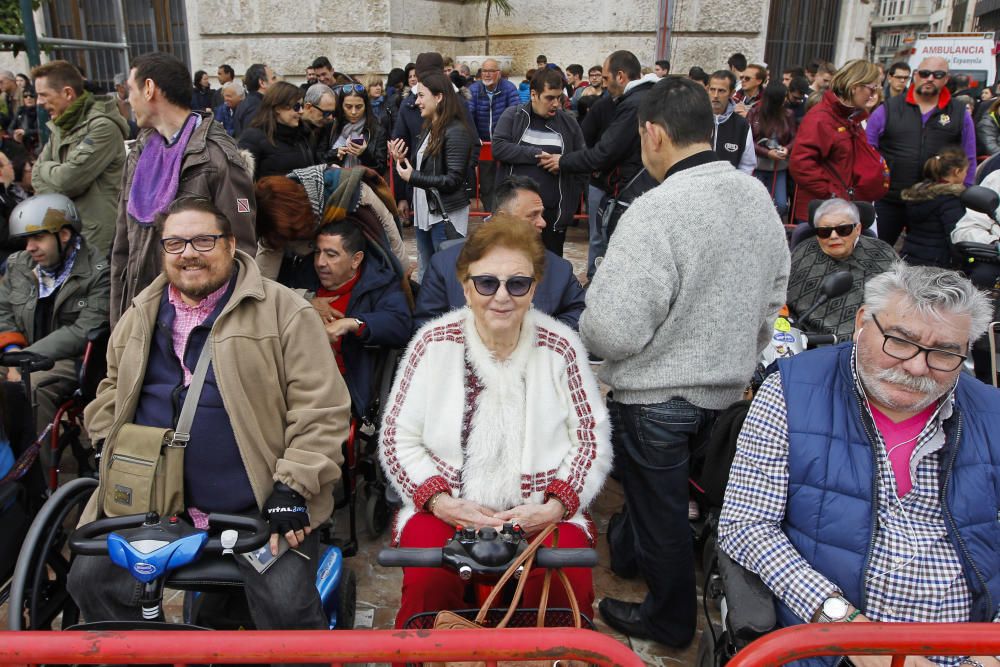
[{"x": 928, "y": 191}]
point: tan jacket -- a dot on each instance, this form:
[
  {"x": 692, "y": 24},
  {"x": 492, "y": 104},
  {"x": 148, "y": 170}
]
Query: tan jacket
[
  {"x": 212, "y": 167},
  {"x": 287, "y": 402}
]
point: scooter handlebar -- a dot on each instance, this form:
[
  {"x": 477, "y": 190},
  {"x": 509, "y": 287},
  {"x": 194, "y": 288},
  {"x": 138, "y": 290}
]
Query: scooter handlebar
[
  {"x": 91, "y": 539},
  {"x": 545, "y": 558},
  {"x": 257, "y": 529},
  {"x": 410, "y": 557}
]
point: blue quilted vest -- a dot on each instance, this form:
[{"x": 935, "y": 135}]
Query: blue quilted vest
[{"x": 830, "y": 515}]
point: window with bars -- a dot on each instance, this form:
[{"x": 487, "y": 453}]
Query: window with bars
[
  {"x": 145, "y": 25},
  {"x": 799, "y": 31}
]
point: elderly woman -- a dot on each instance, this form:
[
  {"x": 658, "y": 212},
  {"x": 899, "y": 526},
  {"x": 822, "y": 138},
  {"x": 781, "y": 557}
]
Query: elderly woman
[
  {"x": 838, "y": 245},
  {"x": 494, "y": 417}
]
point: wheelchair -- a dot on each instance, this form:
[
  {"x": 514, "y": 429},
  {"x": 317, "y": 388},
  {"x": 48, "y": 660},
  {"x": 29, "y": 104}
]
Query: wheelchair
[{"x": 201, "y": 566}]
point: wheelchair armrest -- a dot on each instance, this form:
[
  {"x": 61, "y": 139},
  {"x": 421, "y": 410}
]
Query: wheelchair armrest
[
  {"x": 95, "y": 334},
  {"x": 750, "y": 602},
  {"x": 983, "y": 252}
]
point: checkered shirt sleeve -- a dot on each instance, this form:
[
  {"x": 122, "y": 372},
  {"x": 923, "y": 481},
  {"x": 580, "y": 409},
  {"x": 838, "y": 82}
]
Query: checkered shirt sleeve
[{"x": 750, "y": 525}]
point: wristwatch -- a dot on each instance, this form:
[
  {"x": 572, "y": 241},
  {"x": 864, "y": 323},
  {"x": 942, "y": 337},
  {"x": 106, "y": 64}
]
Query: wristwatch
[{"x": 834, "y": 609}]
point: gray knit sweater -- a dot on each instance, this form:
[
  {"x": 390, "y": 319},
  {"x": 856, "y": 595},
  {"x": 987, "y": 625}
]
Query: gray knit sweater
[{"x": 687, "y": 294}]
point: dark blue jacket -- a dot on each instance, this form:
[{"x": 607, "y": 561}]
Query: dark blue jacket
[
  {"x": 832, "y": 508},
  {"x": 377, "y": 300},
  {"x": 486, "y": 108},
  {"x": 225, "y": 115},
  {"x": 215, "y": 479},
  {"x": 559, "y": 294}
]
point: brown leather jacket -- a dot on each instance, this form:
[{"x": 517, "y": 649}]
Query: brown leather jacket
[{"x": 212, "y": 167}]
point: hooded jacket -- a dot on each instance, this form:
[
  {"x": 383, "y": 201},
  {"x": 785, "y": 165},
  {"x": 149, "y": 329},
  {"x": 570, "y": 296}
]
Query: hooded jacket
[
  {"x": 932, "y": 211},
  {"x": 85, "y": 164},
  {"x": 212, "y": 167},
  {"x": 512, "y": 148},
  {"x": 287, "y": 404}
]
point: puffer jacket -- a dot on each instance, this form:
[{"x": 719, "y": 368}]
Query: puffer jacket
[
  {"x": 80, "y": 306},
  {"x": 291, "y": 149},
  {"x": 447, "y": 170},
  {"x": 288, "y": 405},
  {"x": 85, "y": 164},
  {"x": 932, "y": 211},
  {"x": 486, "y": 107},
  {"x": 212, "y": 167},
  {"x": 988, "y": 134}
]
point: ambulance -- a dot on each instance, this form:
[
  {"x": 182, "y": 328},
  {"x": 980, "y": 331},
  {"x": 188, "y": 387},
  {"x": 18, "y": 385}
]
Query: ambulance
[{"x": 972, "y": 53}]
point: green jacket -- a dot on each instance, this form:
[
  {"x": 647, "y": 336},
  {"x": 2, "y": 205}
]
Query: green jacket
[
  {"x": 81, "y": 304},
  {"x": 85, "y": 164}
]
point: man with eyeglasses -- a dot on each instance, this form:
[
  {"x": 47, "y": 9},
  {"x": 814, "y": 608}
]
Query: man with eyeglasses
[
  {"x": 179, "y": 153},
  {"x": 864, "y": 487},
  {"x": 897, "y": 79},
  {"x": 838, "y": 245},
  {"x": 488, "y": 99},
  {"x": 909, "y": 130},
  {"x": 319, "y": 110},
  {"x": 266, "y": 433}
]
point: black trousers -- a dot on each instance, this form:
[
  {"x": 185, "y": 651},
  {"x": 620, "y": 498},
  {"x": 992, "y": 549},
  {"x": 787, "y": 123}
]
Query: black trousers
[
  {"x": 653, "y": 537},
  {"x": 553, "y": 239}
]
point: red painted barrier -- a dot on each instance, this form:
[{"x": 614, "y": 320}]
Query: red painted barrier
[
  {"x": 885, "y": 639},
  {"x": 336, "y": 647}
]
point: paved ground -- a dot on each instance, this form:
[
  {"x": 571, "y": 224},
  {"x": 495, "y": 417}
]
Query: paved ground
[{"x": 378, "y": 588}]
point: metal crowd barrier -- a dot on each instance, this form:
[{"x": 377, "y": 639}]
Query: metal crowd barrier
[
  {"x": 898, "y": 640},
  {"x": 338, "y": 647}
]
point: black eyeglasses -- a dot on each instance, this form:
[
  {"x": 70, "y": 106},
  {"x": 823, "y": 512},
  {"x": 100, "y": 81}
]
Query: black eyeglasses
[
  {"x": 902, "y": 349},
  {"x": 348, "y": 88},
  {"x": 328, "y": 114},
  {"x": 515, "y": 285},
  {"x": 842, "y": 230},
  {"x": 175, "y": 245},
  {"x": 926, "y": 73}
]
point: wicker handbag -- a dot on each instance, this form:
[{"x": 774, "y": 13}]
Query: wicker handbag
[{"x": 449, "y": 620}]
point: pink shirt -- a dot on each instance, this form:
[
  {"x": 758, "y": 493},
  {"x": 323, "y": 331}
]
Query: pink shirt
[
  {"x": 900, "y": 441},
  {"x": 187, "y": 318}
]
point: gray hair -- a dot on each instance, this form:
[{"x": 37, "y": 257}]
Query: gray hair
[
  {"x": 316, "y": 93},
  {"x": 120, "y": 79},
  {"x": 837, "y": 206},
  {"x": 930, "y": 290},
  {"x": 235, "y": 86},
  {"x": 6, "y": 74}
]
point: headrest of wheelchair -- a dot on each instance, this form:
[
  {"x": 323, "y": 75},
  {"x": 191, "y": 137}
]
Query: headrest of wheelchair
[{"x": 866, "y": 211}]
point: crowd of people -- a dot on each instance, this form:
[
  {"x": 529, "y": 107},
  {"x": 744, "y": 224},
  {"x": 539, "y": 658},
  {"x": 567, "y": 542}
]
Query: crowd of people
[{"x": 256, "y": 231}]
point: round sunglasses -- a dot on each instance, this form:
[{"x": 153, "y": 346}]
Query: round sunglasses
[
  {"x": 348, "y": 88},
  {"x": 515, "y": 285}
]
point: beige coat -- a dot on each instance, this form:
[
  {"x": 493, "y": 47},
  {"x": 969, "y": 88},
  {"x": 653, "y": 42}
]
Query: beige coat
[{"x": 287, "y": 402}]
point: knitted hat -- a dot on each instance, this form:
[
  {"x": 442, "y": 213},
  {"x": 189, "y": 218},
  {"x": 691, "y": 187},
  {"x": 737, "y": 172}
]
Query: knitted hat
[{"x": 430, "y": 62}]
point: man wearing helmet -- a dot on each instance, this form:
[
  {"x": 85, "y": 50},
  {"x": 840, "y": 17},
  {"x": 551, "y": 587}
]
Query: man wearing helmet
[{"x": 55, "y": 292}]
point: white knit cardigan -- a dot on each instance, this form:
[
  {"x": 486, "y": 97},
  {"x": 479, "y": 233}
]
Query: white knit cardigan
[{"x": 540, "y": 426}]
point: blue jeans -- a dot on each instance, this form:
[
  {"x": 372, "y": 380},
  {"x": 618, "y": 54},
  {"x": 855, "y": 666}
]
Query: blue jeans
[
  {"x": 653, "y": 536},
  {"x": 776, "y": 183},
  {"x": 429, "y": 242},
  {"x": 598, "y": 242}
]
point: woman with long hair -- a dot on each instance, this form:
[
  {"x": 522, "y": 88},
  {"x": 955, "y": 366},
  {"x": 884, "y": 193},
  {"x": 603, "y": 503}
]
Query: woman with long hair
[
  {"x": 773, "y": 126},
  {"x": 201, "y": 97},
  {"x": 361, "y": 137},
  {"x": 440, "y": 200},
  {"x": 276, "y": 138}
]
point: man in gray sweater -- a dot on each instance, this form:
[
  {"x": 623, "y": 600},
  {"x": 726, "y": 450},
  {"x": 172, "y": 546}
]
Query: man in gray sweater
[{"x": 680, "y": 310}]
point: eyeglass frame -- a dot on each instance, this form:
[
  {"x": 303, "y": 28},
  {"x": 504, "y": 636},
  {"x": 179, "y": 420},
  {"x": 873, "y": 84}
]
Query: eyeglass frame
[
  {"x": 503, "y": 282},
  {"x": 215, "y": 239},
  {"x": 920, "y": 348},
  {"x": 828, "y": 231}
]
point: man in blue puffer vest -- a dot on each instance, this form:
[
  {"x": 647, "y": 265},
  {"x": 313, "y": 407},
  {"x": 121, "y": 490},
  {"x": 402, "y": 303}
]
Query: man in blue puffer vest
[{"x": 866, "y": 483}]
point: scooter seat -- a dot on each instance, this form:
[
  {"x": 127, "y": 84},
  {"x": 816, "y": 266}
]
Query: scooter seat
[{"x": 207, "y": 573}]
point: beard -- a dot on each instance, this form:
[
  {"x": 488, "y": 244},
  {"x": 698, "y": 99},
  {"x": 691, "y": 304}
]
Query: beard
[
  {"x": 196, "y": 289},
  {"x": 874, "y": 380}
]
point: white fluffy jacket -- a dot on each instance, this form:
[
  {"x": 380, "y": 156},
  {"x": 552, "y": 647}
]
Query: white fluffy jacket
[{"x": 539, "y": 428}]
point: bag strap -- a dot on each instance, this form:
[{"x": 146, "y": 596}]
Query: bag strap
[
  {"x": 567, "y": 586},
  {"x": 182, "y": 432},
  {"x": 527, "y": 559}
]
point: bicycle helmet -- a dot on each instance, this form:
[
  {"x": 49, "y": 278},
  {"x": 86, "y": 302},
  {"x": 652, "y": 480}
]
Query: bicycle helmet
[{"x": 44, "y": 213}]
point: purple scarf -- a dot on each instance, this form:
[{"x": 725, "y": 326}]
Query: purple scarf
[{"x": 157, "y": 174}]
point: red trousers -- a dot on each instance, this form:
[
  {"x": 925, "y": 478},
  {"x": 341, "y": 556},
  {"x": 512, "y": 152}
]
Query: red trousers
[{"x": 427, "y": 589}]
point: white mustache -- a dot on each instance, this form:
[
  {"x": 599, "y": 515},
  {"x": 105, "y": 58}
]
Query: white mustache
[{"x": 898, "y": 376}]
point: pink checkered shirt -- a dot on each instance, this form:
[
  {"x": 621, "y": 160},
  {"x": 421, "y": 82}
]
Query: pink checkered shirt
[{"x": 187, "y": 318}]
